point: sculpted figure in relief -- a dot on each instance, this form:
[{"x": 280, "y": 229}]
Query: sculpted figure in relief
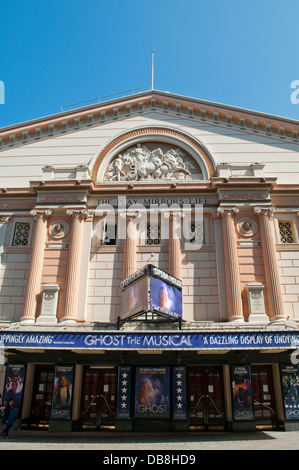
[{"x": 142, "y": 163}]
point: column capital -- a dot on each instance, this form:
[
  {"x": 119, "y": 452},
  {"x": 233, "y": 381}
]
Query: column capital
[
  {"x": 125, "y": 214},
  {"x": 264, "y": 210},
  {"x": 173, "y": 214},
  {"x": 260, "y": 210},
  {"x": 5, "y": 218},
  {"x": 41, "y": 213},
  {"x": 82, "y": 212},
  {"x": 227, "y": 210}
]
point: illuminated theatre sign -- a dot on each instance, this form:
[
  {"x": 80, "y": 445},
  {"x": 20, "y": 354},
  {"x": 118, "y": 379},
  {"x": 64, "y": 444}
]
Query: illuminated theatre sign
[
  {"x": 151, "y": 290},
  {"x": 171, "y": 341}
]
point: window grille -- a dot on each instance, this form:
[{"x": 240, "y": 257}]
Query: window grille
[
  {"x": 153, "y": 235},
  {"x": 197, "y": 233},
  {"x": 21, "y": 234},
  {"x": 286, "y": 232}
]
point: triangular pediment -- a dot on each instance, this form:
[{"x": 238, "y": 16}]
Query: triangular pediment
[
  {"x": 143, "y": 103},
  {"x": 185, "y": 140}
]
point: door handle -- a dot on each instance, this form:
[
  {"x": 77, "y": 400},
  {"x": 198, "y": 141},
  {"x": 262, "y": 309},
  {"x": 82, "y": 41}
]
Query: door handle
[
  {"x": 198, "y": 401},
  {"x": 214, "y": 404}
]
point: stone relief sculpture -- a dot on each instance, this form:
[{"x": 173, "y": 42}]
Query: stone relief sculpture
[{"x": 142, "y": 163}]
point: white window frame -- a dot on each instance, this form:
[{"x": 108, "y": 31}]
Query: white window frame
[
  {"x": 155, "y": 241},
  {"x": 99, "y": 230},
  {"x": 286, "y": 218},
  {"x": 15, "y": 221}
]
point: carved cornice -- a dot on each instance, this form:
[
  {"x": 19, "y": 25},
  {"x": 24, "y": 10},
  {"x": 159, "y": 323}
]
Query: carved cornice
[
  {"x": 62, "y": 186},
  {"x": 188, "y": 108},
  {"x": 239, "y": 183}
]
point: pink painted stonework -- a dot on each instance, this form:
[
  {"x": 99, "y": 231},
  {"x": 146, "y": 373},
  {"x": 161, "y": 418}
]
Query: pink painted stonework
[{"x": 208, "y": 303}]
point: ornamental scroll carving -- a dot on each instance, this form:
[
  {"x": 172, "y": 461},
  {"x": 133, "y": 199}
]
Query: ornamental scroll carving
[{"x": 152, "y": 162}]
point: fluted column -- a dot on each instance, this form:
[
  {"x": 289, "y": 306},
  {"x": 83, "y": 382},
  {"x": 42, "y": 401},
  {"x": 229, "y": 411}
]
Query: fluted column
[
  {"x": 270, "y": 264},
  {"x": 233, "y": 283},
  {"x": 74, "y": 264},
  {"x": 130, "y": 246},
  {"x": 174, "y": 254},
  {"x": 36, "y": 266},
  {"x": 4, "y": 220}
]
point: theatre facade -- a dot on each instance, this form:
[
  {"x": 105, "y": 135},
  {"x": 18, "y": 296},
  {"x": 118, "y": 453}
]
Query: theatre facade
[{"x": 149, "y": 274}]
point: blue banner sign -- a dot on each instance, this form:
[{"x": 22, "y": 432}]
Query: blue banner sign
[{"x": 115, "y": 340}]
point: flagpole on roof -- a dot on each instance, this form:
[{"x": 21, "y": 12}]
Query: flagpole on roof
[{"x": 152, "y": 70}]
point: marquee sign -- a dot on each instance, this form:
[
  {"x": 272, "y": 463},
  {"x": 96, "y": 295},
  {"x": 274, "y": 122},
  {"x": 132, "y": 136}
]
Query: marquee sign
[
  {"x": 151, "y": 290},
  {"x": 135, "y": 341}
]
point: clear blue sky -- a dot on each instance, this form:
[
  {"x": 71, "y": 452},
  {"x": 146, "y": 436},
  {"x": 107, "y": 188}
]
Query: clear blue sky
[{"x": 58, "y": 52}]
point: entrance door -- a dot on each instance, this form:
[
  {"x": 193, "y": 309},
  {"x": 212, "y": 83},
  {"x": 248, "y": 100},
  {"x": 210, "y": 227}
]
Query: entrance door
[
  {"x": 99, "y": 389},
  {"x": 42, "y": 397},
  {"x": 205, "y": 398},
  {"x": 263, "y": 396}
]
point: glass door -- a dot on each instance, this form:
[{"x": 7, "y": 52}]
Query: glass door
[
  {"x": 205, "y": 398},
  {"x": 99, "y": 391},
  {"x": 196, "y": 397},
  {"x": 42, "y": 396},
  {"x": 263, "y": 396}
]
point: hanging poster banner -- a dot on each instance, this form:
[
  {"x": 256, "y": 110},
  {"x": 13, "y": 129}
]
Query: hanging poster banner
[
  {"x": 63, "y": 392},
  {"x": 135, "y": 299},
  {"x": 152, "y": 392},
  {"x": 165, "y": 298},
  {"x": 290, "y": 390},
  {"x": 242, "y": 392},
  {"x": 179, "y": 410},
  {"x": 124, "y": 392},
  {"x": 14, "y": 386},
  {"x": 151, "y": 290}
]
